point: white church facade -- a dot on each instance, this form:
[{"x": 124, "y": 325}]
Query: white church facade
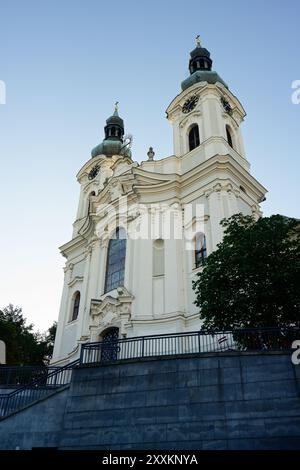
[{"x": 142, "y": 231}]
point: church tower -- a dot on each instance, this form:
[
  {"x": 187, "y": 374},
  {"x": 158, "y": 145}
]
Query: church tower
[
  {"x": 206, "y": 112},
  {"x": 119, "y": 282}
]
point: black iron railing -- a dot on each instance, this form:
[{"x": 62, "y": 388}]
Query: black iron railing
[
  {"x": 196, "y": 342},
  {"x": 36, "y": 389},
  {"x": 16, "y": 376}
]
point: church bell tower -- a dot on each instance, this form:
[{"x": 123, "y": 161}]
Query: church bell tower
[{"x": 206, "y": 116}]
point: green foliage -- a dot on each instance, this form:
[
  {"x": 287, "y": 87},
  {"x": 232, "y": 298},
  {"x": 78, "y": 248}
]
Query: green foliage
[
  {"x": 23, "y": 346},
  {"x": 253, "y": 278}
]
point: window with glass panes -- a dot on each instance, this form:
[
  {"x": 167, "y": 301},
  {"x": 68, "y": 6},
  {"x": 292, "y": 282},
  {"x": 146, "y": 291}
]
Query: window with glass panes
[{"x": 115, "y": 265}]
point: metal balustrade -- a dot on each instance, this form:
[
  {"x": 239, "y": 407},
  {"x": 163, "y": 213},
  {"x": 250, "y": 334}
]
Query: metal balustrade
[
  {"x": 196, "y": 342},
  {"x": 16, "y": 376},
  {"x": 36, "y": 389}
]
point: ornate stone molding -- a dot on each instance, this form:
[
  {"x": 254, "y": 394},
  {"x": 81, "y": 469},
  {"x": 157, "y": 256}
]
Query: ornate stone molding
[
  {"x": 76, "y": 279},
  {"x": 68, "y": 268},
  {"x": 219, "y": 187},
  {"x": 115, "y": 189},
  {"x": 111, "y": 310},
  {"x": 185, "y": 120}
]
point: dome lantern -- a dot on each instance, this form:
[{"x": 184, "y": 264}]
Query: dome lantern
[
  {"x": 113, "y": 143},
  {"x": 200, "y": 67}
]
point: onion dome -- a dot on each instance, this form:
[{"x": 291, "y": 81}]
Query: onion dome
[
  {"x": 113, "y": 143},
  {"x": 200, "y": 65}
]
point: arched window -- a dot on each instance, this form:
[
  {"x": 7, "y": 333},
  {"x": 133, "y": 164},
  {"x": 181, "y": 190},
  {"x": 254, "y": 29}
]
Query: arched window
[
  {"x": 115, "y": 264},
  {"x": 158, "y": 257},
  {"x": 200, "y": 249},
  {"x": 194, "y": 139},
  {"x": 109, "y": 345},
  {"x": 229, "y": 136},
  {"x": 76, "y": 303}
]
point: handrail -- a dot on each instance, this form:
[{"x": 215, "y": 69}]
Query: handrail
[
  {"x": 18, "y": 376},
  {"x": 194, "y": 342},
  {"x": 36, "y": 389}
]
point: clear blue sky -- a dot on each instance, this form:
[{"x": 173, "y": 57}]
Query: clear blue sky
[{"x": 66, "y": 62}]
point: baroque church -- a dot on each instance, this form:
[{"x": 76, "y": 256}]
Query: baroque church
[{"x": 143, "y": 230}]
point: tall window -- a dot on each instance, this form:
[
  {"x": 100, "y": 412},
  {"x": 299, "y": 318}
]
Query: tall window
[
  {"x": 115, "y": 265},
  {"x": 200, "y": 249},
  {"x": 76, "y": 303},
  {"x": 194, "y": 139},
  {"x": 229, "y": 136},
  {"x": 158, "y": 257}
]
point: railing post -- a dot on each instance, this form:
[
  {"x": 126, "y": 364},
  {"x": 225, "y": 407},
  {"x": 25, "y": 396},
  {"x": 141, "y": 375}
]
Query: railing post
[
  {"x": 143, "y": 346},
  {"x": 81, "y": 354},
  {"x": 199, "y": 344}
]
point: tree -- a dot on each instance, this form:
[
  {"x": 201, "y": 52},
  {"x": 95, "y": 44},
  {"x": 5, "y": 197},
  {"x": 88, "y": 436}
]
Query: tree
[
  {"x": 49, "y": 339},
  {"x": 23, "y": 346},
  {"x": 252, "y": 279}
]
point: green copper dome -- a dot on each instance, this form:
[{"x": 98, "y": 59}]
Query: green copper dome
[
  {"x": 200, "y": 68},
  {"x": 111, "y": 147},
  {"x": 113, "y": 143},
  {"x": 202, "y": 76}
]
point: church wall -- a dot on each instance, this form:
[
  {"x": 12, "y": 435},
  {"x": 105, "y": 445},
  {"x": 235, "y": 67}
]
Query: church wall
[
  {"x": 158, "y": 293},
  {"x": 244, "y": 207},
  {"x": 167, "y": 165},
  {"x": 142, "y": 279},
  {"x": 155, "y": 298},
  {"x": 69, "y": 340}
]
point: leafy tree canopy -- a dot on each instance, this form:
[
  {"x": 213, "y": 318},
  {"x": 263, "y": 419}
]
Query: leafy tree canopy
[
  {"x": 23, "y": 345},
  {"x": 252, "y": 279}
]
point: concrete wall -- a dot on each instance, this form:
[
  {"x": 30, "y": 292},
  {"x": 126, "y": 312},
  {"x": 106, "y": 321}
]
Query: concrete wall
[
  {"x": 217, "y": 402},
  {"x": 39, "y": 425}
]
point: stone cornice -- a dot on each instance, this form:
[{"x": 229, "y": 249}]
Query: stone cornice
[
  {"x": 75, "y": 280},
  {"x": 75, "y": 243},
  {"x": 223, "y": 163},
  {"x": 176, "y": 185},
  {"x": 165, "y": 318}
]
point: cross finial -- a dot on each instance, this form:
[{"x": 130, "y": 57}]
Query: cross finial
[{"x": 198, "y": 41}]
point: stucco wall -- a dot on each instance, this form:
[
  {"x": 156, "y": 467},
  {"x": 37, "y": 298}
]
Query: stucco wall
[{"x": 216, "y": 402}]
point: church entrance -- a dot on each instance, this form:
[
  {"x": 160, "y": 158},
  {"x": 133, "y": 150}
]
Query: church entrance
[{"x": 110, "y": 348}]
